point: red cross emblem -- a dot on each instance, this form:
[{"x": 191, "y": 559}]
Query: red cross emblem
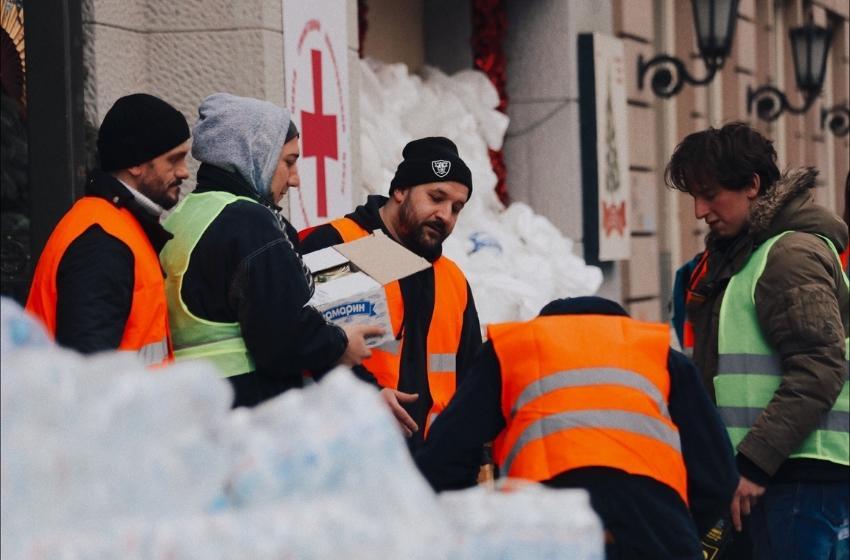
[{"x": 319, "y": 139}]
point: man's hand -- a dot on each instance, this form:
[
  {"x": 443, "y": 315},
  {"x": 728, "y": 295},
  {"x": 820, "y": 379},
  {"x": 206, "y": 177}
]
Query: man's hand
[
  {"x": 393, "y": 399},
  {"x": 744, "y": 499},
  {"x": 357, "y": 351}
]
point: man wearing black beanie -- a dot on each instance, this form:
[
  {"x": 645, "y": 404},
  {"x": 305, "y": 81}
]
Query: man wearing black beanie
[
  {"x": 98, "y": 284},
  {"x": 432, "y": 312}
]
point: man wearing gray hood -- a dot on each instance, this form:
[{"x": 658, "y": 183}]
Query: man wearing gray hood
[{"x": 237, "y": 289}]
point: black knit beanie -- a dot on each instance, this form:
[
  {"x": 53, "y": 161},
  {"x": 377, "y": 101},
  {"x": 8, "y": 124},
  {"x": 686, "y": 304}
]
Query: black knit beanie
[
  {"x": 431, "y": 160},
  {"x": 138, "y": 128}
]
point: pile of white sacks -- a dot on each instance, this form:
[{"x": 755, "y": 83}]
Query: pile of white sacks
[
  {"x": 516, "y": 261},
  {"x": 102, "y": 459}
]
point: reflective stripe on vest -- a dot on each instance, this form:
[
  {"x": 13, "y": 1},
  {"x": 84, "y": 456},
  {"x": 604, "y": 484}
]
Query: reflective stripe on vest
[
  {"x": 750, "y": 371},
  {"x": 194, "y": 337},
  {"x": 583, "y": 391},
  {"x": 154, "y": 353},
  {"x": 591, "y": 376},
  {"x": 146, "y": 331},
  {"x": 450, "y": 295}
]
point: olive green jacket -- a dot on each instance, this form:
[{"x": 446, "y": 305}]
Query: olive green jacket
[{"x": 802, "y": 305}]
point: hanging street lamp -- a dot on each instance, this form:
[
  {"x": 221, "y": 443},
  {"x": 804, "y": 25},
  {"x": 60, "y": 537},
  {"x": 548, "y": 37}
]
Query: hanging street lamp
[
  {"x": 837, "y": 118},
  {"x": 714, "y": 22},
  {"x": 810, "y": 47}
]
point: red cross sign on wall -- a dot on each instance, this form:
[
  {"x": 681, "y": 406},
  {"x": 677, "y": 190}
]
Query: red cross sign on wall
[{"x": 319, "y": 138}]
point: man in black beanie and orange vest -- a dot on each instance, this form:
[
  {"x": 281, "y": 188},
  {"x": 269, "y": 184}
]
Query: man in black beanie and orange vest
[
  {"x": 98, "y": 284},
  {"x": 433, "y": 315}
]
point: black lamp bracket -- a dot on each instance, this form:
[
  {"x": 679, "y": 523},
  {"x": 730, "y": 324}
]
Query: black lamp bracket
[
  {"x": 770, "y": 102},
  {"x": 837, "y": 118},
  {"x": 670, "y": 75}
]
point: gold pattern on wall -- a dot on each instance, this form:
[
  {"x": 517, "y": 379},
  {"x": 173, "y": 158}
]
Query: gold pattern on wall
[{"x": 12, "y": 23}]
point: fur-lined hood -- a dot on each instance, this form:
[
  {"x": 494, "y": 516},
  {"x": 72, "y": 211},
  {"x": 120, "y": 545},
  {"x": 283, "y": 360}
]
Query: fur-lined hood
[{"x": 790, "y": 206}]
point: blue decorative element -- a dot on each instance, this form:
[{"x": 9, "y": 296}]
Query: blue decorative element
[
  {"x": 481, "y": 240},
  {"x": 348, "y": 309}
]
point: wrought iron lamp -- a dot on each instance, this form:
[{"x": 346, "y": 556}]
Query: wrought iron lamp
[
  {"x": 810, "y": 47},
  {"x": 837, "y": 118},
  {"x": 714, "y": 21}
]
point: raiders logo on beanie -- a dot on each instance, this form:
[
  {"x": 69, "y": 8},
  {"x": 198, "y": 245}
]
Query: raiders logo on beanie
[{"x": 431, "y": 160}]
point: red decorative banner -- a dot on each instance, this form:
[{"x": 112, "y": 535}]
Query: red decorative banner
[
  {"x": 614, "y": 218},
  {"x": 489, "y": 25}
]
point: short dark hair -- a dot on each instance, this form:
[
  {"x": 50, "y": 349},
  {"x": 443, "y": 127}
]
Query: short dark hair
[{"x": 728, "y": 157}]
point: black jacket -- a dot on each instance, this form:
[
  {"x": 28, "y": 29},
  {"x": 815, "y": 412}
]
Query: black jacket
[
  {"x": 245, "y": 269},
  {"x": 417, "y": 292},
  {"x": 94, "y": 280},
  {"x": 648, "y": 519}
]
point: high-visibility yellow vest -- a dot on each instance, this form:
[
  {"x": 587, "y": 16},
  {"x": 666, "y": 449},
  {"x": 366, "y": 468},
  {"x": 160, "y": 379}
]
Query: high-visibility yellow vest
[
  {"x": 749, "y": 370},
  {"x": 194, "y": 337}
]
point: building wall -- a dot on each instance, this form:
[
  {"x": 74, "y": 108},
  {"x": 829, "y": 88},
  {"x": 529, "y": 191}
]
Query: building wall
[
  {"x": 760, "y": 55},
  {"x": 396, "y": 32},
  {"x": 636, "y": 23},
  {"x": 184, "y": 51},
  {"x": 542, "y": 148}
]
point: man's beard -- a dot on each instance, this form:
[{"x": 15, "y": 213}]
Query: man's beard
[
  {"x": 161, "y": 197},
  {"x": 415, "y": 238}
]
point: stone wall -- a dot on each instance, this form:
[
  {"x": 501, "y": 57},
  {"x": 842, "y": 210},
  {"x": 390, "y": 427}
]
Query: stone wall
[{"x": 542, "y": 147}]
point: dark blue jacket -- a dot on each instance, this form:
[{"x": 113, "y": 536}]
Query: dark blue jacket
[{"x": 648, "y": 519}]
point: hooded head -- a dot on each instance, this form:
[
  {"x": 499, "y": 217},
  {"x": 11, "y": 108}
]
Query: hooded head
[{"x": 243, "y": 135}]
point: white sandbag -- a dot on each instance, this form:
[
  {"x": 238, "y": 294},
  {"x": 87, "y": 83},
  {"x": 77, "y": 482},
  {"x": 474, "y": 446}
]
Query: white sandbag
[
  {"x": 534, "y": 262},
  {"x": 88, "y": 439},
  {"x": 321, "y": 528},
  {"x": 102, "y": 458},
  {"x": 528, "y": 521}
]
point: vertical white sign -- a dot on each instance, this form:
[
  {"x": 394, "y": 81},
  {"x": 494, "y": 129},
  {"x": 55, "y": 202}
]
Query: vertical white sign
[
  {"x": 315, "y": 57},
  {"x": 612, "y": 149}
]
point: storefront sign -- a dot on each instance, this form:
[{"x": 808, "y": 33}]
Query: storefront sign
[{"x": 605, "y": 149}]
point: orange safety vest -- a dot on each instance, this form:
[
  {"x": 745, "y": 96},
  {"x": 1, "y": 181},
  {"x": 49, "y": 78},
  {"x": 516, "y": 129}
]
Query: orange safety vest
[
  {"x": 146, "y": 331},
  {"x": 586, "y": 391},
  {"x": 443, "y": 334}
]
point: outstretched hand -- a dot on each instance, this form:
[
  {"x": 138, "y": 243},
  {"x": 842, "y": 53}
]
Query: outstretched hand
[
  {"x": 394, "y": 399},
  {"x": 357, "y": 351},
  {"x": 744, "y": 499}
]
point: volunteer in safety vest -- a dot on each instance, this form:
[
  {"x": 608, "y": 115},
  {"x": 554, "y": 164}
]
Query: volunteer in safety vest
[
  {"x": 768, "y": 310},
  {"x": 585, "y": 397},
  {"x": 98, "y": 284},
  {"x": 432, "y": 312},
  {"x": 237, "y": 289}
]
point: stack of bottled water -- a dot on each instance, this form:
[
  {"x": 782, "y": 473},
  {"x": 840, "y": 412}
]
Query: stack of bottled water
[
  {"x": 102, "y": 458},
  {"x": 523, "y": 520}
]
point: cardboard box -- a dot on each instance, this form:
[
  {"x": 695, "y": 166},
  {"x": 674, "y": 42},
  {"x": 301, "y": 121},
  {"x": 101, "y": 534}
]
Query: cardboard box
[{"x": 349, "y": 280}]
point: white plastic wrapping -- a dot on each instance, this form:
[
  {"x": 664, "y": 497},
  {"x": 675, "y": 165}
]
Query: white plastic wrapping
[
  {"x": 102, "y": 459},
  {"x": 516, "y": 261},
  {"x": 524, "y": 520}
]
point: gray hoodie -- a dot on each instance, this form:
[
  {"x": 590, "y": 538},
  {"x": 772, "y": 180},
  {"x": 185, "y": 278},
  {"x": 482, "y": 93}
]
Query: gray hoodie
[{"x": 241, "y": 134}]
